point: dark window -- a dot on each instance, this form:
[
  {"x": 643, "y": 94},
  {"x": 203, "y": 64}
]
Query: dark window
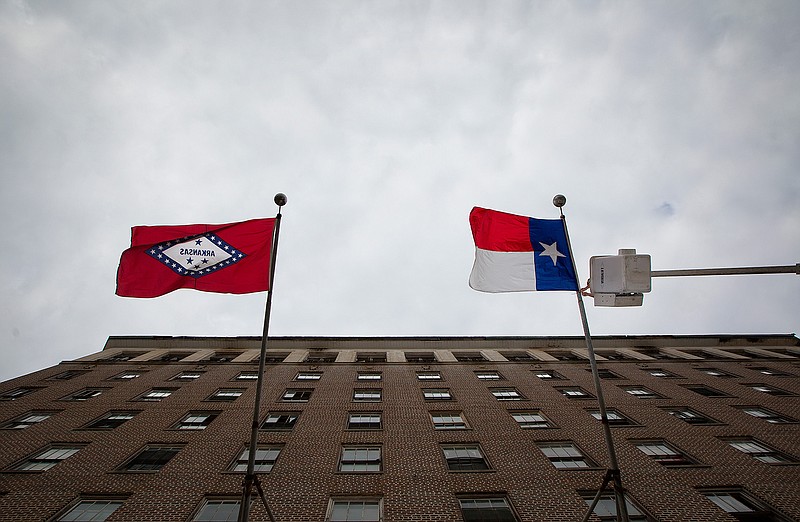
[
  {"x": 152, "y": 458},
  {"x": 760, "y": 451},
  {"x": 771, "y": 390},
  {"x": 46, "y": 459},
  {"x": 690, "y": 416},
  {"x": 448, "y": 420},
  {"x": 464, "y": 457},
  {"x": 716, "y": 372},
  {"x": 707, "y": 391},
  {"x": 174, "y": 356},
  {"x": 615, "y": 418},
  {"x": 263, "y": 462},
  {"x": 364, "y": 421},
  {"x": 665, "y": 454},
  {"x": 320, "y": 358},
  {"x": 364, "y": 357},
  {"x": 420, "y": 357},
  {"x": 111, "y": 420},
  {"x": 640, "y": 392},
  {"x": 218, "y": 511},
  {"x": 531, "y": 419},
  {"x": 358, "y": 459},
  {"x": 83, "y": 395},
  {"x": 518, "y": 356},
  {"x": 768, "y": 415},
  {"x": 274, "y": 358},
  {"x": 16, "y": 393},
  {"x": 565, "y": 455},
  {"x": 605, "y": 373},
  {"x": 664, "y": 374},
  {"x": 564, "y": 355},
  {"x": 606, "y": 508},
  {"x": 27, "y": 420},
  {"x": 771, "y": 371},
  {"x": 196, "y": 420},
  {"x": 123, "y": 356},
  {"x": 654, "y": 353},
  {"x": 280, "y": 421},
  {"x": 223, "y": 356},
  {"x": 743, "y": 506},
  {"x": 92, "y": 510},
  {"x": 296, "y": 395},
  {"x": 486, "y": 509},
  {"x": 468, "y": 356},
  {"x": 67, "y": 375}
]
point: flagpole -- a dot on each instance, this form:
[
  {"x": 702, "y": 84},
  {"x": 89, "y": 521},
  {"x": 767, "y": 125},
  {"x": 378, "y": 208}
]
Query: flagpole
[
  {"x": 250, "y": 477},
  {"x": 613, "y": 472}
]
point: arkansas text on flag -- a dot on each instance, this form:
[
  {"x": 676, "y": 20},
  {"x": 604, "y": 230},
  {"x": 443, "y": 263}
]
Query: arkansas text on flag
[
  {"x": 518, "y": 253},
  {"x": 232, "y": 258}
]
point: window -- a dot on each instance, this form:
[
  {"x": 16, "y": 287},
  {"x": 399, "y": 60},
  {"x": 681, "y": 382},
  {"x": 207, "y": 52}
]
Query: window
[
  {"x": 768, "y": 415},
  {"x": 111, "y": 420},
  {"x": 296, "y": 395},
  {"x": 468, "y": 356},
  {"x": 420, "y": 357},
  {"x": 615, "y": 418},
  {"x": 66, "y": 375},
  {"x": 548, "y": 375},
  {"x": 247, "y": 376},
  {"x": 760, "y": 451},
  {"x": 770, "y": 371},
  {"x": 47, "y": 458},
  {"x": 156, "y": 394},
  {"x": 575, "y": 392},
  {"x": 531, "y": 420},
  {"x": 364, "y": 421},
  {"x": 127, "y": 375},
  {"x": 507, "y": 394},
  {"x": 360, "y": 459},
  {"x": 640, "y": 392},
  {"x": 355, "y": 510},
  {"x": 437, "y": 394},
  {"x": 664, "y": 374},
  {"x": 274, "y": 358},
  {"x": 90, "y": 510},
  {"x": 27, "y": 420},
  {"x": 308, "y": 376},
  {"x": 196, "y": 420},
  {"x": 483, "y": 509},
  {"x": 565, "y": 455},
  {"x": 218, "y": 511},
  {"x": 151, "y": 458},
  {"x": 365, "y": 357},
  {"x": 605, "y": 373},
  {"x": 280, "y": 421},
  {"x": 369, "y": 376},
  {"x": 173, "y": 356},
  {"x": 187, "y": 376},
  {"x": 707, "y": 391},
  {"x": 123, "y": 356},
  {"x": 264, "y": 460},
  {"x": 488, "y": 375},
  {"x": 716, "y": 372},
  {"x": 83, "y": 395},
  {"x": 429, "y": 376},
  {"x": 373, "y": 395},
  {"x": 464, "y": 457},
  {"x": 665, "y": 454},
  {"x": 320, "y": 357},
  {"x": 223, "y": 356},
  {"x": 690, "y": 416},
  {"x": 743, "y": 507},
  {"x": 606, "y": 508},
  {"x": 518, "y": 356},
  {"x": 225, "y": 394},
  {"x": 448, "y": 420},
  {"x": 770, "y": 390}
]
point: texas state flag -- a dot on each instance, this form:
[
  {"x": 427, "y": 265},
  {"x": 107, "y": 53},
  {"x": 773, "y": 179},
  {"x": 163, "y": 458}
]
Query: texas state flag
[{"x": 519, "y": 254}]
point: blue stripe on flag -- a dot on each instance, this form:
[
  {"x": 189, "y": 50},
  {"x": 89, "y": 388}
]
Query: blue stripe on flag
[{"x": 549, "y": 276}]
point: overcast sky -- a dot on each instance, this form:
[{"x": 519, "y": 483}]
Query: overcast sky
[{"x": 672, "y": 127}]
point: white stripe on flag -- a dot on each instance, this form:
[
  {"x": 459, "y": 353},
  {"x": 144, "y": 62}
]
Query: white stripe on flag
[{"x": 503, "y": 271}]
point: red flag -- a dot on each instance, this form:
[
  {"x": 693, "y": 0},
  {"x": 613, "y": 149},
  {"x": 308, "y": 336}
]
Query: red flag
[{"x": 232, "y": 258}]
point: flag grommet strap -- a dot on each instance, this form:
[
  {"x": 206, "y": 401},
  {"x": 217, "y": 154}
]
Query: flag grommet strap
[
  {"x": 230, "y": 258},
  {"x": 518, "y": 254}
]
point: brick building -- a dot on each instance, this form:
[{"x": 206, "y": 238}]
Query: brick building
[{"x": 407, "y": 429}]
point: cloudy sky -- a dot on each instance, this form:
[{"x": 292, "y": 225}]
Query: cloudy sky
[{"x": 672, "y": 127}]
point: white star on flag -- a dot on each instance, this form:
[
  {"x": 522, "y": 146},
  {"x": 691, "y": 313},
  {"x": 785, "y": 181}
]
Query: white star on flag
[{"x": 551, "y": 251}]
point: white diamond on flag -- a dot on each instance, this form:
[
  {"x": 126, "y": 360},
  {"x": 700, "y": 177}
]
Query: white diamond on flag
[{"x": 196, "y": 256}]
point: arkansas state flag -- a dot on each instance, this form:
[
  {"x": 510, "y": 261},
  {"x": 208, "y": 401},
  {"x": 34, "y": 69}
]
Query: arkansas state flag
[
  {"x": 232, "y": 258},
  {"x": 518, "y": 253}
]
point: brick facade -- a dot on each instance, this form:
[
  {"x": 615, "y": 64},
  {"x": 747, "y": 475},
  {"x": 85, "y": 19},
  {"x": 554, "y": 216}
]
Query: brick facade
[{"x": 414, "y": 483}]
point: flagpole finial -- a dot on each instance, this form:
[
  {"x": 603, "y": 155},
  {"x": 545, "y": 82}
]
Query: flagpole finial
[
  {"x": 559, "y": 200},
  {"x": 280, "y": 199}
]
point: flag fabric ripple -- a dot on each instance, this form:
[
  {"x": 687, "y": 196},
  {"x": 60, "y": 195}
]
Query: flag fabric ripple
[
  {"x": 518, "y": 254},
  {"x": 230, "y": 258}
]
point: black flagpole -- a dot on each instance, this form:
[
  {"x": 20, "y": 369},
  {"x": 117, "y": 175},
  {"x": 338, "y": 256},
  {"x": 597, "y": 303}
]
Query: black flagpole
[
  {"x": 250, "y": 477},
  {"x": 613, "y": 473}
]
